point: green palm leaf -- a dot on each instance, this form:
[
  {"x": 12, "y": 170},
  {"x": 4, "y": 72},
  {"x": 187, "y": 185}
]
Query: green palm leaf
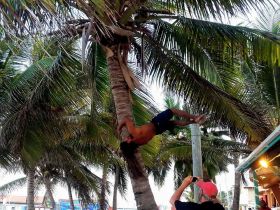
[
  {"x": 216, "y": 155},
  {"x": 214, "y": 8},
  {"x": 30, "y": 17},
  {"x": 9, "y": 187},
  {"x": 182, "y": 79},
  {"x": 263, "y": 84},
  {"x": 7, "y": 160}
]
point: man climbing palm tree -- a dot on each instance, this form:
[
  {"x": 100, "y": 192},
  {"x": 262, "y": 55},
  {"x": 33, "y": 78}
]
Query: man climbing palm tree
[{"x": 160, "y": 123}]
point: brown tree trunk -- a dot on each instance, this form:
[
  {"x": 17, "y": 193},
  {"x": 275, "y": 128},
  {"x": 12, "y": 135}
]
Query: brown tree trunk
[
  {"x": 30, "y": 189},
  {"x": 47, "y": 183},
  {"x": 72, "y": 207},
  {"x": 117, "y": 175},
  {"x": 138, "y": 176},
  {"x": 237, "y": 179},
  {"x": 102, "y": 199}
]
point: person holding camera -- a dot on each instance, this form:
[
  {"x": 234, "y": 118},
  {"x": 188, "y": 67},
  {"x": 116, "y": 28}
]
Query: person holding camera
[{"x": 207, "y": 198}]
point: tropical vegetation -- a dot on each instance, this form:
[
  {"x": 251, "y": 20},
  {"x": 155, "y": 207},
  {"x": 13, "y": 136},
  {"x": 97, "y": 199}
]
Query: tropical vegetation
[{"x": 71, "y": 69}]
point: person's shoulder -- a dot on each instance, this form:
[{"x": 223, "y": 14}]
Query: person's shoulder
[
  {"x": 218, "y": 206},
  {"x": 209, "y": 205},
  {"x": 186, "y": 205}
]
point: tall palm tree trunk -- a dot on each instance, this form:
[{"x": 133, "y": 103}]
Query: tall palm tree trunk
[
  {"x": 30, "y": 189},
  {"x": 138, "y": 176},
  {"x": 237, "y": 179},
  {"x": 102, "y": 199},
  {"x": 117, "y": 174},
  {"x": 72, "y": 207},
  {"x": 49, "y": 191}
]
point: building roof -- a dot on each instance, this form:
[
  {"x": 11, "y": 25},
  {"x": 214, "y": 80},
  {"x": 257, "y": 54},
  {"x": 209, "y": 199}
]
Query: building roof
[
  {"x": 272, "y": 140},
  {"x": 19, "y": 199}
]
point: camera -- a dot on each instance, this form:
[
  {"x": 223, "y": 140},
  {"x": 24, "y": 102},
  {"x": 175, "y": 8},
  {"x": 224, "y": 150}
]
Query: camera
[{"x": 194, "y": 179}]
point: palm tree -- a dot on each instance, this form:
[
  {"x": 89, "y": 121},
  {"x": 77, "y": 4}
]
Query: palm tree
[
  {"x": 51, "y": 152},
  {"x": 38, "y": 116},
  {"x": 142, "y": 109},
  {"x": 72, "y": 207},
  {"x": 236, "y": 190},
  {"x": 30, "y": 189},
  {"x": 175, "y": 51},
  {"x": 263, "y": 83},
  {"x": 119, "y": 184}
]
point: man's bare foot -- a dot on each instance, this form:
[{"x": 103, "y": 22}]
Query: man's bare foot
[{"x": 200, "y": 119}]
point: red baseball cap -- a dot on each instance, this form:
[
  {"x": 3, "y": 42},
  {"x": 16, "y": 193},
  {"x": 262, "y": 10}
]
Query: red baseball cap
[{"x": 208, "y": 188}]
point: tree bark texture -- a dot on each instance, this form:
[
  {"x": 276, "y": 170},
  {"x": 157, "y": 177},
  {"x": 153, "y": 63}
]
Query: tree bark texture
[
  {"x": 72, "y": 207},
  {"x": 102, "y": 199},
  {"x": 138, "y": 176},
  {"x": 30, "y": 189},
  {"x": 237, "y": 179},
  {"x": 115, "y": 193},
  {"x": 47, "y": 183}
]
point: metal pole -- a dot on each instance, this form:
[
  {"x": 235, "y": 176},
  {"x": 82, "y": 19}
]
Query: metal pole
[{"x": 196, "y": 156}]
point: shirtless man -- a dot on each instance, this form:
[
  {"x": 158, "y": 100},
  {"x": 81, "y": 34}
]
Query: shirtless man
[{"x": 160, "y": 123}]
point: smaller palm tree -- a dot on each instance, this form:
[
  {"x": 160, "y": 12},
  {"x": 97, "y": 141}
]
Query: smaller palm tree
[{"x": 217, "y": 153}]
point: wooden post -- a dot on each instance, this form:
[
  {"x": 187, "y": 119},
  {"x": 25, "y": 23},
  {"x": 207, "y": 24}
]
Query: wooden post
[
  {"x": 276, "y": 191},
  {"x": 196, "y": 156}
]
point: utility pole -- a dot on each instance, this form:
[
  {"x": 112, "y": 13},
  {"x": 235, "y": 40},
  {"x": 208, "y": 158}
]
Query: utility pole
[{"x": 196, "y": 156}]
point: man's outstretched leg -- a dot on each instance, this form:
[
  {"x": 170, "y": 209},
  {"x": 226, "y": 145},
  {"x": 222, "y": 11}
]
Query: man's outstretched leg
[{"x": 200, "y": 119}]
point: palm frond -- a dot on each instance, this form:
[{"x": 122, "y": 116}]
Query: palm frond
[
  {"x": 214, "y": 55},
  {"x": 143, "y": 107},
  {"x": 263, "y": 82},
  {"x": 216, "y": 155},
  {"x": 97, "y": 73},
  {"x": 182, "y": 79},
  {"x": 182, "y": 168},
  {"x": 213, "y": 8},
  {"x": 24, "y": 17},
  {"x": 62, "y": 160},
  {"x": 122, "y": 182},
  {"x": 85, "y": 183},
  {"x": 229, "y": 147},
  {"x": 150, "y": 150},
  {"x": 13, "y": 185},
  {"x": 7, "y": 160},
  {"x": 176, "y": 149},
  {"x": 45, "y": 84},
  {"x": 160, "y": 170}
]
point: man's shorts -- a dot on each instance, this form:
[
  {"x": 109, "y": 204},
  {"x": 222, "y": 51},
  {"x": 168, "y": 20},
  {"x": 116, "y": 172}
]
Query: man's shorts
[{"x": 162, "y": 121}]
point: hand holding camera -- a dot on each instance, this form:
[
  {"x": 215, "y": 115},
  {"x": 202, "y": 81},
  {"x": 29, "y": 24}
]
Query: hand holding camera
[{"x": 194, "y": 179}]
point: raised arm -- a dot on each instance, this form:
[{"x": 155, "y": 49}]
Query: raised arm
[{"x": 177, "y": 194}]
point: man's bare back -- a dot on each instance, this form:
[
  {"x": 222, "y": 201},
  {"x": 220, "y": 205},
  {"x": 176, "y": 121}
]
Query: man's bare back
[{"x": 141, "y": 134}]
